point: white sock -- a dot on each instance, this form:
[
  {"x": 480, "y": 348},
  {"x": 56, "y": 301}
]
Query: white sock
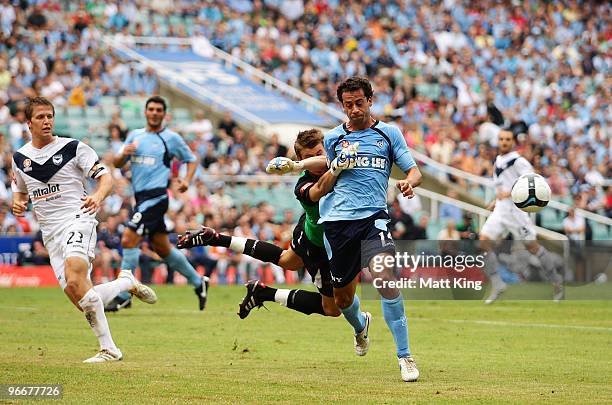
[
  {"x": 237, "y": 244},
  {"x": 93, "y": 308},
  {"x": 108, "y": 291},
  {"x": 281, "y": 296},
  {"x": 491, "y": 269}
]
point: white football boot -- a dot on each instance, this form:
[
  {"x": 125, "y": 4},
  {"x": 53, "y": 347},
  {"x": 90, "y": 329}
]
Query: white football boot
[
  {"x": 408, "y": 368},
  {"x": 140, "y": 291},
  {"x": 105, "y": 355},
  {"x": 362, "y": 341}
]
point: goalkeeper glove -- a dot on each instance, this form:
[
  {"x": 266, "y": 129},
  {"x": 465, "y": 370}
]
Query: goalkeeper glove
[
  {"x": 283, "y": 165},
  {"x": 345, "y": 160}
]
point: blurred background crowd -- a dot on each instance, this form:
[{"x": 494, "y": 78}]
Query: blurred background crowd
[{"x": 450, "y": 74}]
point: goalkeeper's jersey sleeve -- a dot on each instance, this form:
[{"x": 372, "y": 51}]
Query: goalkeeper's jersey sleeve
[{"x": 314, "y": 231}]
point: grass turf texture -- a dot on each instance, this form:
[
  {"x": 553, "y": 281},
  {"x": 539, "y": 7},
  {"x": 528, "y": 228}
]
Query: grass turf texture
[{"x": 467, "y": 352}]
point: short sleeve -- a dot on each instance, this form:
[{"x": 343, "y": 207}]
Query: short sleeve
[
  {"x": 302, "y": 188},
  {"x": 17, "y": 183},
  {"x": 86, "y": 157},
  {"x": 179, "y": 148},
  {"x": 403, "y": 157}
]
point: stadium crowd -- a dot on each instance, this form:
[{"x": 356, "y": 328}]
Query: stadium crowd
[{"x": 449, "y": 74}]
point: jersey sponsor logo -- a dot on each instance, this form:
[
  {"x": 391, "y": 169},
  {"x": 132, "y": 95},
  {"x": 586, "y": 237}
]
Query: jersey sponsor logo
[
  {"x": 44, "y": 193},
  {"x": 58, "y": 159},
  {"x": 144, "y": 160},
  {"x": 374, "y": 162},
  {"x": 27, "y": 165}
]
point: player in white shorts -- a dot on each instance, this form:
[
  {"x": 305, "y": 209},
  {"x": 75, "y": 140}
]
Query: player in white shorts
[
  {"x": 507, "y": 218},
  {"x": 50, "y": 172}
]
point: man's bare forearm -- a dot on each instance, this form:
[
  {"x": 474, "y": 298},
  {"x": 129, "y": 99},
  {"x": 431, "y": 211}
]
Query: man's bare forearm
[
  {"x": 191, "y": 169},
  {"x": 414, "y": 176},
  {"x": 324, "y": 185},
  {"x": 105, "y": 186}
]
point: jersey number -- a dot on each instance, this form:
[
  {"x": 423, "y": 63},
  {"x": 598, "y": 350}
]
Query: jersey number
[
  {"x": 72, "y": 235},
  {"x": 382, "y": 238}
]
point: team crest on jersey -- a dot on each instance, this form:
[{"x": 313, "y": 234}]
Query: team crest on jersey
[
  {"x": 345, "y": 144},
  {"x": 57, "y": 159},
  {"x": 27, "y": 165},
  {"x": 380, "y": 143}
]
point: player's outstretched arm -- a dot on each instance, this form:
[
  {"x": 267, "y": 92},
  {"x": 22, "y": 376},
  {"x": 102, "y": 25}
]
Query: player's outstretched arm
[
  {"x": 93, "y": 202},
  {"x": 20, "y": 203},
  {"x": 284, "y": 165},
  {"x": 324, "y": 185},
  {"x": 413, "y": 179}
]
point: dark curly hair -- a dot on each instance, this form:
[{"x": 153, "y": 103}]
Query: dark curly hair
[{"x": 355, "y": 83}]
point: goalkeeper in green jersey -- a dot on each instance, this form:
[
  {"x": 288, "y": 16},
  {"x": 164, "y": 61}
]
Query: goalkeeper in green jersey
[{"x": 307, "y": 250}]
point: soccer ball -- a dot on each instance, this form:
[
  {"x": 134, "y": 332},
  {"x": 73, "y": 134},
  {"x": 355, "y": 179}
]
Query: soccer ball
[{"x": 531, "y": 192}]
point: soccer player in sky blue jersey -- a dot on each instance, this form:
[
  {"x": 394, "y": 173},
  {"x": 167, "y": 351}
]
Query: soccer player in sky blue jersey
[
  {"x": 150, "y": 151},
  {"x": 356, "y": 211}
]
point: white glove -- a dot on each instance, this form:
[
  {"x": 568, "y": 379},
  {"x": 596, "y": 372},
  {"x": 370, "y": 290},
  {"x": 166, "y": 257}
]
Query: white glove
[
  {"x": 283, "y": 165},
  {"x": 345, "y": 160}
]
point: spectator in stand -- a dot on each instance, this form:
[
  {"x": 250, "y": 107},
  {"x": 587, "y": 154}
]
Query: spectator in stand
[
  {"x": 275, "y": 148},
  {"x": 419, "y": 231},
  {"x": 227, "y": 123}
]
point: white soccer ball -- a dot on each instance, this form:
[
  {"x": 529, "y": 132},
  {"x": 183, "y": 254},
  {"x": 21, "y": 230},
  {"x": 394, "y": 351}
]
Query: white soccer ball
[{"x": 531, "y": 192}]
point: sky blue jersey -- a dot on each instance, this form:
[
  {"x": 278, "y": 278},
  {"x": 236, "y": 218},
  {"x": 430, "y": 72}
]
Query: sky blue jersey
[
  {"x": 150, "y": 171},
  {"x": 362, "y": 191}
]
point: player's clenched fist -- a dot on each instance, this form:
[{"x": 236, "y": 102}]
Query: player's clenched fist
[
  {"x": 283, "y": 165},
  {"x": 345, "y": 160},
  {"x": 129, "y": 149},
  {"x": 405, "y": 188}
]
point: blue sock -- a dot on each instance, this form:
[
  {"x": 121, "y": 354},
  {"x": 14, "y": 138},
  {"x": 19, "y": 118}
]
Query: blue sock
[
  {"x": 177, "y": 261},
  {"x": 130, "y": 259},
  {"x": 393, "y": 312},
  {"x": 354, "y": 316},
  {"x": 129, "y": 262}
]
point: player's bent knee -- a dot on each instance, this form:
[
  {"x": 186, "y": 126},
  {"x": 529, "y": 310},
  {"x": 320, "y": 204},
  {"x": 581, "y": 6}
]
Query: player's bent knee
[
  {"x": 289, "y": 260},
  {"x": 343, "y": 300},
  {"x": 129, "y": 239},
  {"x": 76, "y": 266},
  {"x": 332, "y": 310},
  {"x": 161, "y": 248}
]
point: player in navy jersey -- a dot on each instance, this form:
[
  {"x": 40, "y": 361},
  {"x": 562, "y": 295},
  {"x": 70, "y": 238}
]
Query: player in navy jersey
[
  {"x": 150, "y": 151},
  {"x": 356, "y": 211}
]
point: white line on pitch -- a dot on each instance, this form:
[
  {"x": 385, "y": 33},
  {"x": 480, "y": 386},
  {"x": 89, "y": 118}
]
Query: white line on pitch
[
  {"x": 522, "y": 324},
  {"x": 19, "y": 308}
]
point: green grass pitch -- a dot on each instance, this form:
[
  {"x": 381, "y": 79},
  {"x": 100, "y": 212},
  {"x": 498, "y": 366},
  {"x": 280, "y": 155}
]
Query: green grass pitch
[{"x": 510, "y": 352}]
